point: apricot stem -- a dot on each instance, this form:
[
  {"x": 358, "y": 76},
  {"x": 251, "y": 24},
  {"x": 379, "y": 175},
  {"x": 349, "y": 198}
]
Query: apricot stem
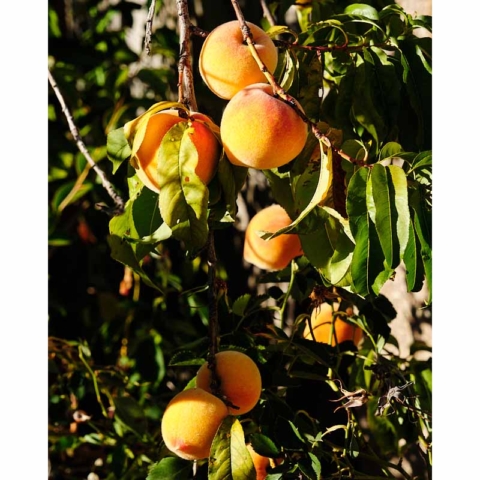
[
  {"x": 119, "y": 203},
  {"x": 186, "y": 92}
]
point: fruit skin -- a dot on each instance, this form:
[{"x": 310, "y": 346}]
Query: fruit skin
[
  {"x": 260, "y": 463},
  {"x": 322, "y": 324},
  {"x": 226, "y": 64},
  {"x": 261, "y": 131},
  {"x": 207, "y": 145},
  {"x": 274, "y": 254},
  {"x": 240, "y": 380},
  {"x": 190, "y": 422}
]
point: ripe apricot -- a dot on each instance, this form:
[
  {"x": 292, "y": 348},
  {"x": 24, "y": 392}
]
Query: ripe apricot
[
  {"x": 322, "y": 327},
  {"x": 240, "y": 380},
  {"x": 261, "y": 131},
  {"x": 207, "y": 145},
  {"x": 226, "y": 63},
  {"x": 274, "y": 254},
  {"x": 190, "y": 423},
  {"x": 259, "y": 462}
]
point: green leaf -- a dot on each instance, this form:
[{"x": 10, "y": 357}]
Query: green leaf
[
  {"x": 310, "y": 467},
  {"x": 390, "y": 149},
  {"x": 330, "y": 248},
  {"x": 367, "y": 261},
  {"x": 364, "y": 109},
  {"x": 264, "y": 445},
  {"x": 229, "y": 457},
  {"x": 228, "y": 181},
  {"x": 311, "y": 189},
  {"x": 422, "y": 222},
  {"x": 170, "y": 468},
  {"x": 183, "y": 197},
  {"x": 412, "y": 259},
  {"x": 130, "y": 414},
  {"x": 123, "y": 252},
  {"x": 389, "y": 211},
  {"x": 66, "y": 189},
  {"x": 287, "y": 435},
  {"x": 363, "y": 10},
  {"x": 186, "y": 357},
  {"x": 118, "y": 148}
]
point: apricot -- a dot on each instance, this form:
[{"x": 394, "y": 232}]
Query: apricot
[
  {"x": 261, "y": 131},
  {"x": 259, "y": 462},
  {"x": 240, "y": 380},
  {"x": 276, "y": 253},
  {"x": 207, "y": 145},
  {"x": 190, "y": 423},
  {"x": 226, "y": 63},
  {"x": 322, "y": 327}
]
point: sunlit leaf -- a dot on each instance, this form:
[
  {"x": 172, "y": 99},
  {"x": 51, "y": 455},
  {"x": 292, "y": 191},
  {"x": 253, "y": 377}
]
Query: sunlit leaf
[
  {"x": 389, "y": 210},
  {"x": 229, "y": 457},
  {"x": 183, "y": 198}
]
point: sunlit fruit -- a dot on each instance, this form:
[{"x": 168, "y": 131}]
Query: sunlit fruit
[
  {"x": 323, "y": 331},
  {"x": 240, "y": 380},
  {"x": 206, "y": 144},
  {"x": 190, "y": 422},
  {"x": 274, "y": 254},
  {"x": 261, "y": 131},
  {"x": 226, "y": 63}
]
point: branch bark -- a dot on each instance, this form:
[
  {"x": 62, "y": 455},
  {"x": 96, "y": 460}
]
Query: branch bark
[{"x": 186, "y": 92}]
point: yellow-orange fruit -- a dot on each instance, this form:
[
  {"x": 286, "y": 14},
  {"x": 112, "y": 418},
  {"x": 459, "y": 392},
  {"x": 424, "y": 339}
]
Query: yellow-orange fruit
[
  {"x": 259, "y": 462},
  {"x": 207, "y": 145},
  {"x": 190, "y": 422},
  {"x": 226, "y": 63},
  {"x": 240, "y": 380},
  {"x": 274, "y": 254},
  {"x": 322, "y": 327},
  {"x": 261, "y": 131}
]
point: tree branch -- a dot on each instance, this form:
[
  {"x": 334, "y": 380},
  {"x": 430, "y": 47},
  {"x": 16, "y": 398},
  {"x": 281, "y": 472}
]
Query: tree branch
[
  {"x": 148, "y": 27},
  {"x": 186, "y": 92},
  {"x": 119, "y": 203}
]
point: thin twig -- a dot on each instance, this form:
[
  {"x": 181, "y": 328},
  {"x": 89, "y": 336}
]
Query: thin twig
[
  {"x": 186, "y": 92},
  {"x": 148, "y": 27},
  {"x": 266, "y": 12},
  {"x": 119, "y": 203},
  {"x": 278, "y": 91}
]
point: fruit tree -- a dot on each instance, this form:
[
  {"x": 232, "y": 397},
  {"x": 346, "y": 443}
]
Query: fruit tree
[{"x": 234, "y": 187}]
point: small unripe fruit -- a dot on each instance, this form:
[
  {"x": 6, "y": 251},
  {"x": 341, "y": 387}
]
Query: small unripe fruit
[
  {"x": 276, "y": 253},
  {"x": 190, "y": 423},
  {"x": 240, "y": 380},
  {"x": 322, "y": 327},
  {"x": 207, "y": 145},
  {"x": 226, "y": 63},
  {"x": 261, "y": 131}
]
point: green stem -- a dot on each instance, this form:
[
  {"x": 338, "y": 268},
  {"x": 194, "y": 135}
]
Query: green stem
[{"x": 94, "y": 379}]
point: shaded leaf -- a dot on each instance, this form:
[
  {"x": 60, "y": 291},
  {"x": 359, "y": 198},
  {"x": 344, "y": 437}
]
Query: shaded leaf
[
  {"x": 118, "y": 148},
  {"x": 130, "y": 413},
  {"x": 170, "y": 468}
]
